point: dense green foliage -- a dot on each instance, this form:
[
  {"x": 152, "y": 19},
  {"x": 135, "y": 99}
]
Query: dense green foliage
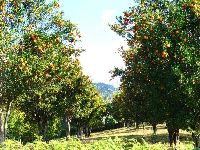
[
  {"x": 44, "y": 93},
  {"x": 42, "y": 82},
  {"x": 108, "y": 144},
  {"x": 162, "y": 70},
  {"x": 161, "y": 77}
]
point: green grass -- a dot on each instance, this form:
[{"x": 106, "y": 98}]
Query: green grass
[
  {"x": 145, "y": 137},
  {"x": 117, "y": 139},
  {"x": 147, "y": 134}
]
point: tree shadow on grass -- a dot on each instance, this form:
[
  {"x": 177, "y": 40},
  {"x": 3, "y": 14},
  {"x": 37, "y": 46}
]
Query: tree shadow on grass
[
  {"x": 131, "y": 136},
  {"x": 150, "y": 139},
  {"x": 153, "y": 139}
]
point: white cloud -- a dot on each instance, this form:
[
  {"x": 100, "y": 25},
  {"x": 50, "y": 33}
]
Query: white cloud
[
  {"x": 99, "y": 59},
  {"x": 101, "y": 45}
]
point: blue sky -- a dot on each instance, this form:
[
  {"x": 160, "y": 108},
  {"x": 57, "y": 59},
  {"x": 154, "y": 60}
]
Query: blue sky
[{"x": 101, "y": 44}]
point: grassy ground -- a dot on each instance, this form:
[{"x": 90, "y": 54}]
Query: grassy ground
[
  {"x": 147, "y": 133},
  {"x": 141, "y": 134},
  {"x": 117, "y": 139}
]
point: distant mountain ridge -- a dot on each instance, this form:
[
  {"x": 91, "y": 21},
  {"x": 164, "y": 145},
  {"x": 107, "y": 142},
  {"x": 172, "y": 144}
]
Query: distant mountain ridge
[{"x": 106, "y": 90}]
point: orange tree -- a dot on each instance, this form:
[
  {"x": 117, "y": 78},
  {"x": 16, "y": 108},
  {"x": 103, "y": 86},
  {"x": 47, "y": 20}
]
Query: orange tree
[
  {"x": 123, "y": 109},
  {"x": 39, "y": 56},
  {"x": 79, "y": 103},
  {"x": 42, "y": 74},
  {"x": 162, "y": 63},
  {"x": 90, "y": 103},
  {"x": 118, "y": 109}
]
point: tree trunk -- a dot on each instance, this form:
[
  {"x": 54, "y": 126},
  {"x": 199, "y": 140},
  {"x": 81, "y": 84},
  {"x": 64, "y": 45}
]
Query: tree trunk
[
  {"x": 6, "y": 119},
  {"x": 176, "y": 136},
  {"x": 137, "y": 125},
  {"x": 43, "y": 130},
  {"x": 127, "y": 124},
  {"x": 154, "y": 128},
  {"x": 87, "y": 131},
  {"x": 170, "y": 132},
  {"x": 79, "y": 131},
  {"x": 143, "y": 125},
  {"x": 196, "y": 140},
  {"x": 173, "y": 136},
  {"x": 68, "y": 127},
  {"x": 1, "y": 126}
]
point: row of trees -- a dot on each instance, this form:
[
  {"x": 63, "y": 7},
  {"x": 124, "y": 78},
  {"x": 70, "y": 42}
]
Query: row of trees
[
  {"x": 161, "y": 79},
  {"x": 40, "y": 75},
  {"x": 43, "y": 87}
]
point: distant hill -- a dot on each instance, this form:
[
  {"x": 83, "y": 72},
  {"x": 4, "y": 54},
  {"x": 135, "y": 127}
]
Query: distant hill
[{"x": 106, "y": 90}]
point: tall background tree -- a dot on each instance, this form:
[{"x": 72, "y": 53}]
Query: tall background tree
[{"x": 162, "y": 61}]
